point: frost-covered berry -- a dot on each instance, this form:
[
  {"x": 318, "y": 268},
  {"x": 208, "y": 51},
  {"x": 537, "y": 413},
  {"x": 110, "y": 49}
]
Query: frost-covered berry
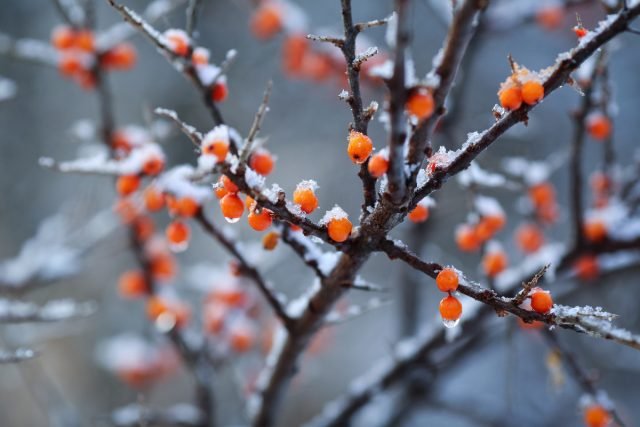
[
  {"x": 510, "y": 97},
  {"x": 580, "y": 31},
  {"x": 200, "y": 56},
  {"x": 447, "y": 280},
  {"x": 532, "y": 92},
  {"x": 178, "y": 41},
  {"x": 339, "y": 229},
  {"x": 305, "y": 197},
  {"x": 215, "y": 147},
  {"x": 62, "y": 37},
  {"x": 127, "y": 184},
  {"x": 541, "y": 301},
  {"x": 175, "y": 311},
  {"x": 420, "y": 103},
  {"x": 242, "y": 336},
  {"x": 261, "y": 161},
  {"x": 378, "y": 165},
  {"x": 360, "y": 147},
  {"x": 260, "y": 219},
  {"x": 153, "y": 166},
  {"x": 232, "y": 207}
]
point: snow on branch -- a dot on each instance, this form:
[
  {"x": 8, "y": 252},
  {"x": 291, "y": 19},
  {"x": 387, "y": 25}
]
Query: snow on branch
[
  {"x": 28, "y": 50},
  {"x": 592, "y": 321},
  {"x": 556, "y": 76},
  {"x": 16, "y": 311}
]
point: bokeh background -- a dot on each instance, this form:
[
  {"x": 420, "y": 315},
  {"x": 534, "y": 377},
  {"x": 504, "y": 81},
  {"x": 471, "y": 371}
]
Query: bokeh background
[{"x": 505, "y": 381}]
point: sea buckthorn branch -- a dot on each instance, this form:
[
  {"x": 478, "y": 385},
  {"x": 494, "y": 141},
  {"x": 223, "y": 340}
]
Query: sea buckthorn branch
[
  {"x": 582, "y": 377},
  {"x": 193, "y": 7},
  {"x": 28, "y": 50},
  {"x": 566, "y": 64},
  {"x": 257, "y": 122},
  {"x": 184, "y": 65},
  {"x": 458, "y": 38},
  {"x": 397, "y": 100},
  {"x": 360, "y": 118},
  {"x": 586, "y": 320},
  {"x": 248, "y": 270},
  {"x": 575, "y": 158}
]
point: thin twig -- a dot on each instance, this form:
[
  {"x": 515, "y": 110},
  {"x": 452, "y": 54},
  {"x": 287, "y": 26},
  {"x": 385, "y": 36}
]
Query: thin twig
[{"x": 257, "y": 122}]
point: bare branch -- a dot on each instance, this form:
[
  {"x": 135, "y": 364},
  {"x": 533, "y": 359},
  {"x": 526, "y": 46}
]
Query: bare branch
[
  {"x": 338, "y": 42},
  {"x": 190, "y": 131},
  {"x": 257, "y": 122},
  {"x": 364, "y": 56},
  {"x": 370, "y": 24}
]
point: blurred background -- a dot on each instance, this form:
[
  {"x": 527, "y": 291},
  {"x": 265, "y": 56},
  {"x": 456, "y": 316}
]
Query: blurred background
[{"x": 505, "y": 381}]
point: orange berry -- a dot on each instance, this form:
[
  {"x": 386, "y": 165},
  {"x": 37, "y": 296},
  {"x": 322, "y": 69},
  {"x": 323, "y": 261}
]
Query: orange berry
[
  {"x": 127, "y": 184},
  {"x": 153, "y": 199},
  {"x": 219, "y": 91},
  {"x": 270, "y": 240},
  {"x": 305, "y": 198},
  {"x": 450, "y": 308},
  {"x": 266, "y": 21},
  {"x": 84, "y": 40},
  {"x": 187, "y": 206},
  {"x": 261, "y": 220},
  {"x": 360, "y": 147},
  {"x": 494, "y": 263},
  {"x": 70, "y": 65},
  {"x": 420, "y": 103},
  {"x": 378, "y": 165},
  {"x": 532, "y": 92},
  {"x": 121, "y": 57},
  {"x": 595, "y": 415},
  {"x": 241, "y": 338},
  {"x": 172, "y": 204},
  {"x": 218, "y": 148},
  {"x": 542, "y": 194},
  {"x": 200, "y": 56},
  {"x": 153, "y": 166},
  {"x": 163, "y": 266},
  {"x": 120, "y": 141},
  {"x": 262, "y": 162},
  {"x": 541, "y": 301},
  {"x": 317, "y": 66},
  {"x": 229, "y": 296},
  {"x": 214, "y": 317},
  {"x": 339, "y": 229},
  {"x": 132, "y": 284},
  {"x": 220, "y": 191},
  {"x": 126, "y": 210},
  {"x": 600, "y": 182},
  {"x": 595, "y": 230},
  {"x": 294, "y": 49},
  {"x": 157, "y": 306},
  {"x": 447, "y": 280},
  {"x": 586, "y": 267},
  {"x": 143, "y": 228},
  {"x": 550, "y": 17},
  {"x": 529, "y": 238},
  {"x": 178, "y": 41},
  {"x": 599, "y": 126},
  {"x": 467, "y": 239},
  {"x": 228, "y": 184},
  {"x": 510, "y": 97},
  {"x": 231, "y": 206},
  {"x": 62, "y": 37},
  {"x": 177, "y": 232},
  {"x": 419, "y": 214},
  {"x": 580, "y": 31},
  {"x": 484, "y": 231},
  {"x": 548, "y": 213}
]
